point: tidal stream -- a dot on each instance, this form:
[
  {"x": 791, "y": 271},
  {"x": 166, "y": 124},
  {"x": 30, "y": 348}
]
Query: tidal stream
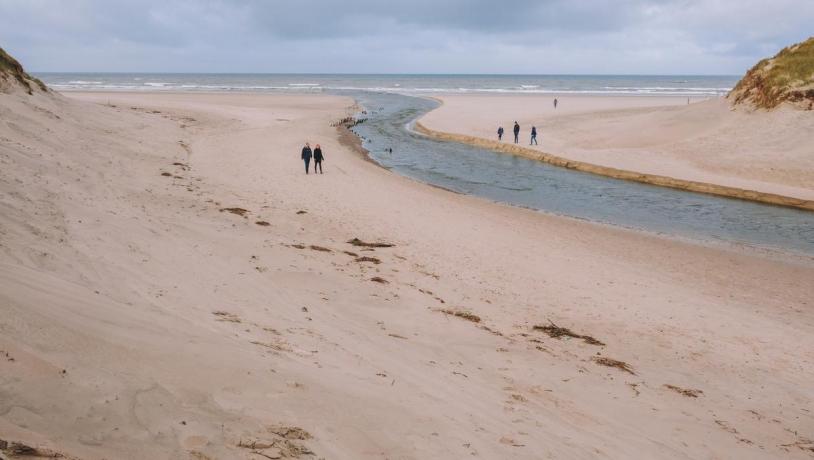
[{"x": 536, "y": 185}]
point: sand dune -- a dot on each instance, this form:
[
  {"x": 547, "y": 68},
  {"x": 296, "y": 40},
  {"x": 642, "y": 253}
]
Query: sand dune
[{"x": 145, "y": 312}]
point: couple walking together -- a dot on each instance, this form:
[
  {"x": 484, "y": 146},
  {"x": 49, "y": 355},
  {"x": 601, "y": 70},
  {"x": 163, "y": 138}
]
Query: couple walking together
[{"x": 316, "y": 154}]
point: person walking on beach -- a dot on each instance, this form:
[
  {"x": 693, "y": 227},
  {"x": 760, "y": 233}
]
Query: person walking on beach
[
  {"x": 318, "y": 159},
  {"x": 500, "y": 133},
  {"x": 555, "y": 103},
  {"x": 516, "y": 133},
  {"x": 306, "y": 156},
  {"x": 533, "y": 136}
]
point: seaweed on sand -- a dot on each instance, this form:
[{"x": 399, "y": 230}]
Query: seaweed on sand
[
  {"x": 608, "y": 362},
  {"x": 368, "y": 259},
  {"x": 239, "y": 211},
  {"x": 358, "y": 242},
  {"x": 556, "y": 332},
  {"x": 688, "y": 392},
  {"x": 467, "y": 315}
]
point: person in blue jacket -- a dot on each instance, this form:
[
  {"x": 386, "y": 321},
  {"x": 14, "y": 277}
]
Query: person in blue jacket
[
  {"x": 533, "y": 136},
  {"x": 306, "y": 156},
  {"x": 500, "y": 133}
]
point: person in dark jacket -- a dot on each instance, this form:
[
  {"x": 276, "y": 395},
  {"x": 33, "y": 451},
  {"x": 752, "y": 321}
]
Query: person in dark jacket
[
  {"x": 318, "y": 159},
  {"x": 516, "y": 133},
  {"x": 533, "y": 136},
  {"x": 500, "y": 133},
  {"x": 306, "y": 156}
]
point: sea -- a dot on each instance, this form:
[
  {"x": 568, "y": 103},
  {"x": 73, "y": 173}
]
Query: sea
[{"x": 642, "y": 85}]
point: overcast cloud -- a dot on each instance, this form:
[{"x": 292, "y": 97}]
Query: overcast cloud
[{"x": 394, "y": 36}]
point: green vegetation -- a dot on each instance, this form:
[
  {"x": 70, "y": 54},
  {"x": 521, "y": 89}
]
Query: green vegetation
[
  {"x": 9, "y": 67},
  {"x": 787, "y": 77}
]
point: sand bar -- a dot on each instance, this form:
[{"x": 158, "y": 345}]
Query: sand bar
[{"x": 704, "y": 146}]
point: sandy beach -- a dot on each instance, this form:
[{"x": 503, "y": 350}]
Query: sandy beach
[
  {"x": 705, "y": 141},
  {"x": 172, "y": 285}
]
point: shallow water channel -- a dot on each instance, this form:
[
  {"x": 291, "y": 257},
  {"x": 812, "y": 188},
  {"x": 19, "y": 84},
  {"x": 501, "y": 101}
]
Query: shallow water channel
[{"x": 536, "y": 185}]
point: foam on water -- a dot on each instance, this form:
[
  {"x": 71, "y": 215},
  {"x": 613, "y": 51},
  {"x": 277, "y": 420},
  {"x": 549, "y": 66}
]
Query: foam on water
[{"x": 402, "y": 84}]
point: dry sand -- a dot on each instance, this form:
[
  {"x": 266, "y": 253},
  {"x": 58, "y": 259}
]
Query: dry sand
[
  {"x": 705, "y": 141},
  {"x": 139, "y": 319}
]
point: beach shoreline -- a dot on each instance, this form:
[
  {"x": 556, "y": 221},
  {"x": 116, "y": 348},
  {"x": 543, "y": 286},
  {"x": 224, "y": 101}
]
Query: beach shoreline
[
  {"x": 173, "y": 284},
  {"x": 350, "y": 140}
]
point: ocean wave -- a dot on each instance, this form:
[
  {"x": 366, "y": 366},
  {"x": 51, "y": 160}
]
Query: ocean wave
[
  {"x": 391, "y": 88},
  {"x": 95, "y": 87},
  {"x": 666, "y": 88},
  {"x": 228, "y": 87}
]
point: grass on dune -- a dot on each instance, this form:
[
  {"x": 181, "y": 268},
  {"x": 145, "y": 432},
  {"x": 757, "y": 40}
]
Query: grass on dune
[
  {"x": 793, "y": 66},
  {"x": 788, "y": 76},
  {"x": 10, "y": 67}
]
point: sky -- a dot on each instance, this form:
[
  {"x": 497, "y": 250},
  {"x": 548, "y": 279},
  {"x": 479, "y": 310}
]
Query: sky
[{"x": 705, "y": 37}]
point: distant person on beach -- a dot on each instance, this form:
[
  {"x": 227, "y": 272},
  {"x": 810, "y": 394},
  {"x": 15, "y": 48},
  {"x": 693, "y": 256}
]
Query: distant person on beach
[
  {"x": 318, "y": 159},
  {"x": 500, "y": 133},
  {"x": 555, "y": 103},
  {"x": 306, "y": 156},
  {"x": 533, "y": 136},
  {"x": 516, "y": 133}
]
